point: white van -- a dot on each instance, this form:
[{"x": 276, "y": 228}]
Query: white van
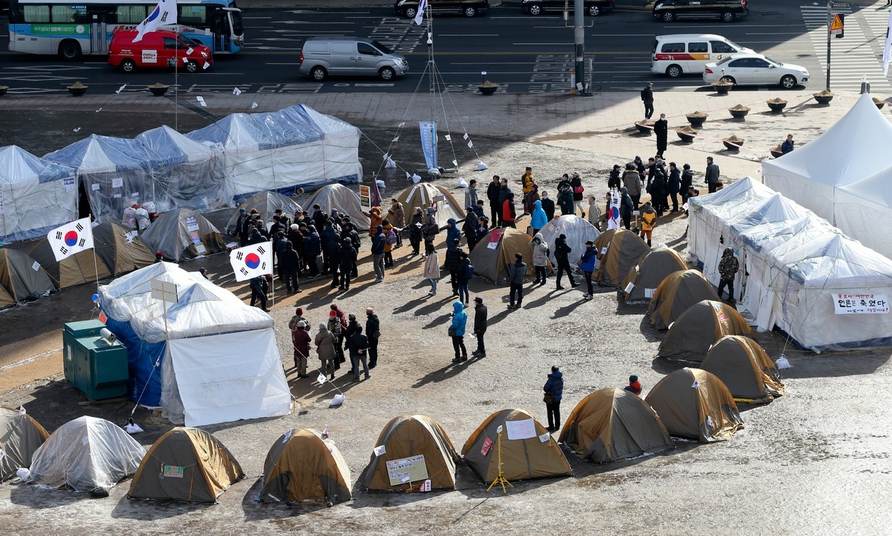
[{"x": 678, "y": 54}]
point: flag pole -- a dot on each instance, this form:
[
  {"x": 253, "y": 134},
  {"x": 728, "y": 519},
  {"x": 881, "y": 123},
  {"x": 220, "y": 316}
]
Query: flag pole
[
  {"x": 95, "y": 266},
  {"x": 176, "y": 77}
]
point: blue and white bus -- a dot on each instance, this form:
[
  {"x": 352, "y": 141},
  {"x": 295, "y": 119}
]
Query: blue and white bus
[{"x": 71, "y": 28}]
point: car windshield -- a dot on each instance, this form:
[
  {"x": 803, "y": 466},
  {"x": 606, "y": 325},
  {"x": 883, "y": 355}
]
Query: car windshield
[
  {"x": 724, "y": 61},
  {"x": 774, "y": 61},
  {"x": 383, "y": 48}
]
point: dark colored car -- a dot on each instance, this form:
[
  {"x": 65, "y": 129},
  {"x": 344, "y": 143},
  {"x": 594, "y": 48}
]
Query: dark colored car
[
  {"x": 591, "y": 7},
  {"x": 726, "y": 10},
  {"x": 468, "y": 8}
]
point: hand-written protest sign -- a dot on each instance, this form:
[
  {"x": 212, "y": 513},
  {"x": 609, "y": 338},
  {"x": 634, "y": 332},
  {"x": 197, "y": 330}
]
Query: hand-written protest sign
[
  {"x": 867, "y": 303},
  {"x": 406, "y": 470}
]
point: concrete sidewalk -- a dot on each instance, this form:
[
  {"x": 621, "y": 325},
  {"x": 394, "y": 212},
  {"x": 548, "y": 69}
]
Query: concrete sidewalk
[{"x": 602, "y": 124}]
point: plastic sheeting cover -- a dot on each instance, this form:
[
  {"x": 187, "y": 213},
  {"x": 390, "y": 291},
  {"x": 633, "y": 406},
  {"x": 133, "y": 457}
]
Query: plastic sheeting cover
[{"x": 86, "y": 454}]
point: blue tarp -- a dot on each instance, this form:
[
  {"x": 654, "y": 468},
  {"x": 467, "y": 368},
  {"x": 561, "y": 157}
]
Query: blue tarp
[{"x": 145, "y": 379}]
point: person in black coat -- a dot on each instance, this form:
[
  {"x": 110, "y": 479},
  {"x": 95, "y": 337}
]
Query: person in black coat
[
  {"x": 661, "y": 129},
  {"x": 626, "y": 206},
  {"x": 480, "y": 318},
  {"x": 312, "y": 249},
  {"x": 561, "y": 255},
  {"x": 614, "y": 180},
  {"x": 674, "y": 185},
  {"x": 372, "y": 333},
  {"x": 469, "y": 227},
  {"x": 547, "y": 205},
  {"x": 416, "y": 223},
  {"x": 346, "y": 258},
  {"x": 259, "y": 286},
  {"x": 358, "y": 345},
  {"x": 288, "y": 261},
  {"x": 492, "y": 193},
  {"x": 687, "y": 182},
  {"x": 647, "y": 97}
]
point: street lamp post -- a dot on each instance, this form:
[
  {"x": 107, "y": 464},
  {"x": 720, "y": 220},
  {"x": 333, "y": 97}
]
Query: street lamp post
[
  {"x": 829, "y": 23},
  {"x": 579, "y": 49}
]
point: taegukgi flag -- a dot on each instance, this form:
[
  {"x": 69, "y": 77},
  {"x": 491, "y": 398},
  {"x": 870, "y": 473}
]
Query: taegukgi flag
[
  {"x": 252, "y": 261},
  {"x": 613, "y": 217},
  {"x": 164, "y": 13},
  {"x": 419, "y": 15},
  {"x": 71, "y": 238}
]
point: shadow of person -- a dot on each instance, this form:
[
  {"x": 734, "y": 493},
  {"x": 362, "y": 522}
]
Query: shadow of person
[
  {"x": 409, "y": 305},
  {"x": 561, "y": 312},
  {"x": 440, "y": 320},
  {"x": 442, "y": 374}
]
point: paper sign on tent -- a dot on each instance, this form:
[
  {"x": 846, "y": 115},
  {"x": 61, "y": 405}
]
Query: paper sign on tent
[
  {"x": 545, "y": 438},
  {"x": 380, "y": 450},
  {"x": 629, "y": 288},
  {"x": 524, "y": 429},
  {"x": 486, "y": 447},
  {"x": 405, "y": 470}
]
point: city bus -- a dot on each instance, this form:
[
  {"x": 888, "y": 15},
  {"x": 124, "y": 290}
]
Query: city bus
[{"x": 71, "y": 28}]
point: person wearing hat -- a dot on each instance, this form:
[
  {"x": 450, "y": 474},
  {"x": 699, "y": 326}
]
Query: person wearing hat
[
  {"x": 554, "y": 390},
  {"x": 300, "y": 338},
  {"x": 516, "y": 273},
  {"x": 480, "y": 317},
  {"x": 634, "y": 385},
  {"x": 587, "y": 265}
]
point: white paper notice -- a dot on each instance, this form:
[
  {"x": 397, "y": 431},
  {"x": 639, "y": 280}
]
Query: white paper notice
[
  {"x": 545, "y": 438},
  {"x": 629, "y": 288},
  {"x": 492, "y": 245},
  {"x": 380, "y": 450},
  {"x": 448, "y": 137},
  {"x": 603, "y": 250},
  {"x": 117, "y": 182},
  {"x": 524, "y": 429},
  {"x": 649, "y": 292},
  {"x": 200, "y": 100},
  {"x": 94, "y": 187},
  {"x": 68, "y": 182},
  {"x": 864, "y": 303},
  {"x": 35, "y": 266}
]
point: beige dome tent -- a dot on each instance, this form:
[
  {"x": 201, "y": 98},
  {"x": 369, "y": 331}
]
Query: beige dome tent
[
  {"x": 121, "y": 250},
  {"x": 20, "y": 437},
  {"x": 424, "y": 193},
  {"x": 337, "y": 197},
  {"x": 21, "y": 278},
  {"x": 410, "y": 450},
  {"x": 612, "y": 424},
  {"x": 647, "y": 275},
  {"x": 695, "y": 404},
  {"x": 701, "y": 326},
  {"x": 72, "y": 271},
  {"x": 266, "y": 204},
  {"x": 577, "y": 230},
  {"x": 495, "y": 251},
  {"x": 185, "y": 464},
  {"x": 745, "y": 368},
  {"x": 527, "y": 449},
  {"x": 677, "y": 292},
  {"x": 625, "y": 250},
  {"x": 183, "y": 233},
  {"x": 301, "y": 466}
]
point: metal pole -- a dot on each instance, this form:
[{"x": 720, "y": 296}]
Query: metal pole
[
  {"x": 829, "y": 21},
  {"x": 579, "y": 33}
]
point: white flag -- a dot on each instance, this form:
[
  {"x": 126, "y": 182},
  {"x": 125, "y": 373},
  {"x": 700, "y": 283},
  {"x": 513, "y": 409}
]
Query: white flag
[
  {"x": 252, "y": 261},
  {"x": 71, "y": 238},
  {"x": 887, "y": 48},
  {"x": 164, "y": 13},
  {"x": 419, "y": 15}
]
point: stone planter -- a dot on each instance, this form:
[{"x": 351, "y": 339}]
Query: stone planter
[
  {"x": 158, "y": 89},
  {"x": 733, "y": 143},
  {"x": 776, "y": 105},
  {"x": 3, "y": 90},
  {"x": 77, "y": 89},
  {"x": 879, "y": 103},
  {"x": 686, "y": 134},
  {"x": 722, "y": 88},
  {"x": 488, "y": 88},
  {"x": 645, "y": 127},
  {"x": 824, "y": 97},
  {"x": 697, "y": 119},
  {"x": 739, "y": 111}
]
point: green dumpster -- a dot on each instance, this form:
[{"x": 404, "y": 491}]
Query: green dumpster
[
  {"x": 72, "y": 332},
  {"x": 94, "y": 366}
]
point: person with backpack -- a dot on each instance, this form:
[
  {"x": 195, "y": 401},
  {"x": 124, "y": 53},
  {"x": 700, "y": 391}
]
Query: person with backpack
[
  {"x": 554, "y": 391},
  {"x": 464, "y": 272}
]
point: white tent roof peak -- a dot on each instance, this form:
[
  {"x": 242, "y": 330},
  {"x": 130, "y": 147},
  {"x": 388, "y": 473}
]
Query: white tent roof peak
[{"x": 854, "y": 148}]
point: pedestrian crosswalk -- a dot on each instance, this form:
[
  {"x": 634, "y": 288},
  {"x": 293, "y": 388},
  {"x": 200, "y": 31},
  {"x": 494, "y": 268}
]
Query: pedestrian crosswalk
[{"x": 853, "y": 58}]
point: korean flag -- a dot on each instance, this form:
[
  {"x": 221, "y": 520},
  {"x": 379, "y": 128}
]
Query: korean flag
[
  {"x": 71, "y": 238},
  {"x": 251, "y": 261}
]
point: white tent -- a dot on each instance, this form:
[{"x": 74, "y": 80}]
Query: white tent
[
  {"x": 577, "y": 230},
  {"x": 337, "y": 197},
  {"x": 293, "y": 147},
  {"x": 36, "y": 195},
  {"x": 219, "y": 359},
  {"x": 86, "y": 454},
  {"x": 844, "y": 175}
]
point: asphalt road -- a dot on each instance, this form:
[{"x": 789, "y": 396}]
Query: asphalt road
[{"x": 522, "y": 53}]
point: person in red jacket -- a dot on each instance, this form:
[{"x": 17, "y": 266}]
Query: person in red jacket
[
  {"x": 509, "y": 214},
  {"x": 300, "y": 337},
  {"x": 634, "y": 385}
]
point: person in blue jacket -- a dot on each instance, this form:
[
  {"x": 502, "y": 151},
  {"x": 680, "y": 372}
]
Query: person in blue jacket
[
  {"x": 457, "y": 331},
  {"x": 554, "y": 390},
  {"x": 539, "y": 218},
  {"x": 587, "y": 265}
]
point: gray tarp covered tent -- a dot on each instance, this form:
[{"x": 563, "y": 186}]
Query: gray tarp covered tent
[
  {"x": 183, "y": 233},
  {"x": 337, "y": 197},
  {"x": 577, "y": 230},
  {"x": 265, "y": 203},
  {"x": 20, "y": 437}
]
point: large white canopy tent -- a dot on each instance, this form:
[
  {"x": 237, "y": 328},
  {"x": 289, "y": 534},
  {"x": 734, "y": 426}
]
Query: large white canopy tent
[
  {"x": 36, "y": 195},
  {"x": 844, "y": 175},
  {"x": 219, "y": 359}
]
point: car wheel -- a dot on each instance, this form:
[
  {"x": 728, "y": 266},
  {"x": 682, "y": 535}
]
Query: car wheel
[
  {"x": 594, "y": 11},
  {"x": 318, "y": 73},
  {"x": 470, "y": 12},
  {"x": 534, "y": 9},
  {"x": 728, "y": 80},
  {"x": 70, "y": 50},
  {"x": 387, "y": 74},
  {"x": 128, "y": 66},
  {"x": 788, "y": 81},
  {"x": 410, "y": 12},
  {"x": 674, "y": 71},
  {"x": 668, "y": 16},
  {"x": 727, "y": 16}
]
